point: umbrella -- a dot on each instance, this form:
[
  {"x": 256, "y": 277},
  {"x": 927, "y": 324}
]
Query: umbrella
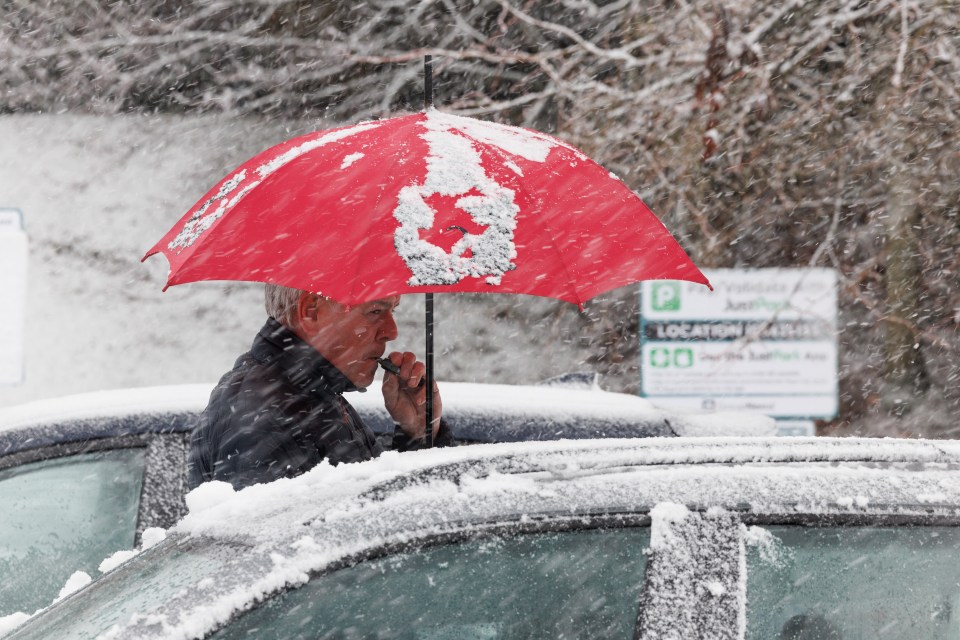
[{"x": 424, "y": 203}]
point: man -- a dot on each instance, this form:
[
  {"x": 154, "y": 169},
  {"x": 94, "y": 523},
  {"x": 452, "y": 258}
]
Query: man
[{"x": 280, "y": 411}]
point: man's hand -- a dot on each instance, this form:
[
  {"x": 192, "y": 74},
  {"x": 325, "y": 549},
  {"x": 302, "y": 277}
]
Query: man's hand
[{"x": 405, "y": 395}]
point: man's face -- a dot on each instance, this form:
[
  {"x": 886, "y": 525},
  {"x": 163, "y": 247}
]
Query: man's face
[{"x": 352, "y": 338}]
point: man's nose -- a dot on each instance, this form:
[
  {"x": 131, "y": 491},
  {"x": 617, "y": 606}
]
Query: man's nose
[{"x": 388, "y": 330}]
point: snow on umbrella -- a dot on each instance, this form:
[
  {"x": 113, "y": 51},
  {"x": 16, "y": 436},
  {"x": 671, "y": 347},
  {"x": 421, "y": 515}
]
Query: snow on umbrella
[{"x": 424, "y": 203}]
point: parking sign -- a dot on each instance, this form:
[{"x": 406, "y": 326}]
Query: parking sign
[
  {"x": 763, "y": 340},
  {"x": 665, "y": 295}
]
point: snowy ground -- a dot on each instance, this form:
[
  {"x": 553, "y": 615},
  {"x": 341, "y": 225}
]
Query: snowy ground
[{"x": 96, "y": 193}]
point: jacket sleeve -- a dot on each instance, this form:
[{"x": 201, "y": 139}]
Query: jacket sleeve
[{"x": 402, "y": 442}]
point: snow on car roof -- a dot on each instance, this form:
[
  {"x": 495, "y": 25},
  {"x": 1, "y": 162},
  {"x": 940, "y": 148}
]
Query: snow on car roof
[
  {"x": 217, "y": 509},
  {"x": 112, "y": 403},
  {"x": 532, "y": 399},
  {"x": 104, "y": 414},
  {"x": 563, "y": 402}
]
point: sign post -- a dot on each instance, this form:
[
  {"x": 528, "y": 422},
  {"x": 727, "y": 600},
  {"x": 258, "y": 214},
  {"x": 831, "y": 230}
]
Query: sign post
[
  {"x": 13, "y": 295},
  {"x": 764, "y": 340}
]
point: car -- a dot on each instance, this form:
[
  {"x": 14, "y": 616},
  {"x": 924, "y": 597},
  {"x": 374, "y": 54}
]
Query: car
[
  {"x": 656, "y": 538},
  {"x": 121, "y": 456}
]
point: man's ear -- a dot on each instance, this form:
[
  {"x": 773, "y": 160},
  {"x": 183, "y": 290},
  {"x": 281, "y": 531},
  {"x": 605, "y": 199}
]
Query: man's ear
[{"x": 308, "y": 310}]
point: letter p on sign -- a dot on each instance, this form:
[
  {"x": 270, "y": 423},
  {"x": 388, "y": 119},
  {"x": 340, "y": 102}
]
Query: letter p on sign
[{"x": 666, "y": 296}]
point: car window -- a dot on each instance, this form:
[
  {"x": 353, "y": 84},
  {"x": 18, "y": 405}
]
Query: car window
[
  {"x": 579, "y": 584},
  {"x": 819, "y": 583},
  {"x": 64, "y": 515}
]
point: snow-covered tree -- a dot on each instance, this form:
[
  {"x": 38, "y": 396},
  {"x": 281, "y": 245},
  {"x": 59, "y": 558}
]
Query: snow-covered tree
[{"x": 763, "y": 132}]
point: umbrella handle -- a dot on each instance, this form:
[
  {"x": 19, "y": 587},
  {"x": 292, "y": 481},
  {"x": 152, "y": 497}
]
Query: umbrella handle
[{"x": 389, "y": 367}]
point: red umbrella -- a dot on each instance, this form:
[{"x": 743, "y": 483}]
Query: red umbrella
[{"x": 424, "y": 203}]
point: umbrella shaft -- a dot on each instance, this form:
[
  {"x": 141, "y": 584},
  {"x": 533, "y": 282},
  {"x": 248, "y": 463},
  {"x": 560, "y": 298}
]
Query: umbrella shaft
[
  {"x": 428, "y": 360},
  {"x": 428, "y": 299}
]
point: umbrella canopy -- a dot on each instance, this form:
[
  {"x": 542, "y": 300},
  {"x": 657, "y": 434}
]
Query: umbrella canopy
[{"x": 424, "y": 203}]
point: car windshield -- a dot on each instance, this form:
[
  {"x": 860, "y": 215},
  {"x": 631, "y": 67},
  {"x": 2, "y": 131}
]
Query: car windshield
[
  {"x": 144, "y": 584},
  {"x": 819, "y": 583},
  {"x": 578, "y": 584},
  {"x": 61, "y": 516}
]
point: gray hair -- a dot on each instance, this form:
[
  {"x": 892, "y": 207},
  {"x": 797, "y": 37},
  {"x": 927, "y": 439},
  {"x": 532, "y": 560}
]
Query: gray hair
[{"x": 281, "y": 303}]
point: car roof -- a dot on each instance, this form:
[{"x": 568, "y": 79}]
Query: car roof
[
  {"x": 101, "y": 414},
  {"x": 672, "y": 469},
  {"x": 279, "y": 533},
  {"x": 559, "y": 410},
  {"x": 483, "y": 413},
  {"x": 416, "y": 492}
]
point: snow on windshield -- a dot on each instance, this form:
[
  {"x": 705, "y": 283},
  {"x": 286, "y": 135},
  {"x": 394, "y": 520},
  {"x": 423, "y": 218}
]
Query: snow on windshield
[
  {"x": 8, "y": 623},
  {"x": 79, "y": 579}
]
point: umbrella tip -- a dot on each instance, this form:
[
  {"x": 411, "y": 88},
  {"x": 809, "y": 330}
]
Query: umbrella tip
[
  {"x": 152, "y": 252},
  {"x": 427, "y": 82}
]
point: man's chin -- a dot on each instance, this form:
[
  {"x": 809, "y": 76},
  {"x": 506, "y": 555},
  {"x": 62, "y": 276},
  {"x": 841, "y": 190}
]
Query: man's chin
[{"x": 362, "y": 380}]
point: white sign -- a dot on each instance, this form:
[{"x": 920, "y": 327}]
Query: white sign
[
  {"x": 763, "y": 340},
  {"x": 13, "y": 295}
]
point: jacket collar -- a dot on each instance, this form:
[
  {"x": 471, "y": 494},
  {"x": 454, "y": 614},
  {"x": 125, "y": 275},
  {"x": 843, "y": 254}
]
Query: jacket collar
[{"x": 298, "y": 361}]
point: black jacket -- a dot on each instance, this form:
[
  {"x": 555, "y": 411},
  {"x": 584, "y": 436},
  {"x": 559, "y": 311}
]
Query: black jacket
[{"x": 278, "y": 413}]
